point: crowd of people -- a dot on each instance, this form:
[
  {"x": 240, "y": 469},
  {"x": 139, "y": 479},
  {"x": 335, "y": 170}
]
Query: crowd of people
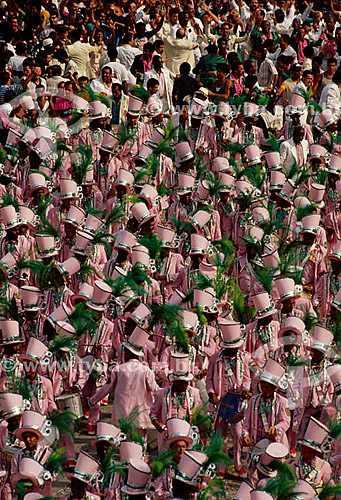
[{"x": 170, "y": 188}]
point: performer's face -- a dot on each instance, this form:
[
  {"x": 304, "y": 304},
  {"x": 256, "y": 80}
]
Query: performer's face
[
  {"x": 77, "y": 488},
  {"x": 30, "y": 440},
  {"x": 102, "y": 449},
  {"x": 267, "y": 389},
  {"x": 179, "y": 447},
  {"x": 336, "y": 266},
  {"x": 13, "y": 423},
  {"x": 308, "y": 454},
  {"x": 288, "y": 304}
]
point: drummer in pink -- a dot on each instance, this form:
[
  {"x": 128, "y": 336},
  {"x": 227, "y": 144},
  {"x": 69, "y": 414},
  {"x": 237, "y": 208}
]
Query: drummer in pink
[
  {"x": 266, "y": 415},
  {"x": 228, "y": 372}
]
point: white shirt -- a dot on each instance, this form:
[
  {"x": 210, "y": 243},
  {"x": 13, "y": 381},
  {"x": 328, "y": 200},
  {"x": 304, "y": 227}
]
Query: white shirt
[
  {"x": 100, "y": 87},
  {"x": 126, "y": 55},
  {"x": 331, "y": 98}
]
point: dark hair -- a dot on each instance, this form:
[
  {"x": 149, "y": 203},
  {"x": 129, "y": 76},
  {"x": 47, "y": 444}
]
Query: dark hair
[
  {"x": 4, "y": 77},
  {"x": 149, "y": 46},
  {"x": 268, "y": 42},
  {"x": 127, "y": 38},
  {"x": 28, "y": 62},
  {"x": 332, "y": 60},
  {"x": 285, "y": 38},
  {"x": 152, "y": 82},
  {"x": 308, "y": 51},
  {"x": 20, "y": 48},
  {"x": 247, "y": 65},
  {"x": 60, "y": 54},
  {"x": 317, "y": 59},
  {"x": 112, "y": 51},
  {"x": 236, "y": 64},
  {"x": 279, "y": 15},
  {"x": 156, "y": 59},
  {"x": 106, "y": 67},
  {"x": 56, "y": 70},
  {"x": 158, "y": 43},
  {"x": 212, "y": 48},
  {"x": 223, "y": 67},
  {"x": 172, "y": 12},
  {"x": 116, "y": 84},
  {"x": 307, "y": 72},
  {"x": 185, "y": 68},
  {"x": 337, "y": 76}
]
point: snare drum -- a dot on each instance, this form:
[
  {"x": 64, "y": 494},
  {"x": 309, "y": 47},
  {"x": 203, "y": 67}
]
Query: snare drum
[
  {"x": 94, "y": 367},
  {"x": 70, "y": 402},
  {"x": 8, "y": 451},
  {"x": 232, "y": 407},
  {"x": 258, "y": 450}
]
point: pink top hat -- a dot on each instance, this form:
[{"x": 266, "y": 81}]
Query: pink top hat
[
  {"x": 167, "y": 236},
  {"x": 69, "y": 267},
  {"x": 82, "y": 244},
  {"x": 149, "y": 194},
  {"x": 144, "y": 152},
  {"x": 10, "y": 333},
  {"x": 263, "y": 304},
  {"x": 135, "y": 105},
  {"x": 183, "y": 152},
  {"x": 35, "y": 351},
  {"x": 244, "y": 491},
  {"x": 317, "y": 151},
  {"x": 185, "y": 183},
  {"x": 220, "y": 164},
  {"x": 97, "y": 110},
  {"x": 46, "y": 246},
  {"x": 75, "y": 216},
  {"x": 65, "y": 329},
  {"x": 334, "y": 372},
  {"x": 130, "y": 450},
  {"x": 7, "y": 262},
  {"x": 109, "y": 142},
  {"x": 190, "y": 465},
  {"x": 42, "y": 147},
  {"x": 206, "y": 300},
  {"x": 32, "y": 421},
  {"x": 89, "y": 177},
  {"x": 154, "y": 107},
  {"x": 31, "y": 470},
  {"x": 85, "y": 468},
  {"x": 253, "y": 155},
  {"x": 223, "y": 110},
  {"x": 199, "y": 244},
  {"x": 327, "y": 118},
  {"x": 316, "y": 193},
  {"x": 304, "y": 490},
  {"x": 273, "y": 161},
  {"x": 316, "y": 435},
  {"x": 336, "y": 254},
  {"x": 272, "y": 372},
  {"x": 61, "y": 313},
  {"x": 85, "y": 293},
  {"x": 108, "y": 432},
  {"x": 33, "y": 496},
  {"x": 322, "y": 338},
  {"x": 287, "y": 192},
  {"x": 100, "y": 296},
  {"x": 189, "y": 320},
  {"x": 270, "y": 257},
  {"x": 251, "y": 109},
  {"x": 260, "y": 495},
  {"x": 124, "y": 178},
  {"x": 26, "y": 216},
  {"x": 176, "y": 298},
  {"x": 256, "y": 233},
  {"x": 226, "y": 182},
  {"x": 80, "y": 104},
  {"x": 69, "y": 189},
  {"x": 157, "y": 136},
  {"x": 275, "y": 451},
  {"x": 197, "y": 108},
  {"x": 140, "y": 315},
  {"x": 203, "y": 192},
  {"x": 11, "y": 405},
  {"x": 13, "y": 137},
  {"x": 297, "y": 105},
  {"x": 334, "y": 166},
  {"x": 125, "y": 240},
  {"x": 244, "y": 188},
  {"x": 178, "y": 430},
  {"x": 199, "y": 219},
  {"x": 9, "y": 217},
  {"x": 29, "y": 137},
  {"x": 26, "y": 103},
  {"x": 140, "y": 256},
  {"x": 231, "y": 333},
  {"x": 292, "y": 324},
  {"x": 137, "y": 341},
  {"x": 286, "y": 288},
  {"x": 277, "y": 179},
  {"x": 301, "y": 202},
  {"x": 260, "y": 215},
  {"x": 138, "y": 478},
  {"x": 141, "y": 213},
  {"x": 311, "y": 223},
  {"x": 179, "y": 367}
]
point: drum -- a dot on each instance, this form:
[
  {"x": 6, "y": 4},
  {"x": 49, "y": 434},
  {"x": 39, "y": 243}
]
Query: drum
[
  {"x": 70, "y": 402},
  {"x": 51, "y": 435},
  {"x": 232, "y": 407},
  {"x": 258, "y": 450},
  {"x": 8, "y": 451},
  {"x": 94, "y": 367}
]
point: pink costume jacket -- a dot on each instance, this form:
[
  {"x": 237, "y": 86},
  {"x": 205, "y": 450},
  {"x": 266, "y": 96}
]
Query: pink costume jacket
[
  {"x": 327, "y": 287},
  {"x": 66, "y": 374},
  {"x": 319, "y": 475},
  {"x": 278, "y": 417},
  {"x": 164, "y": 407},
  {"x": 218, "y": 379},
  {"x": 133, "y": 385},
  {"x": 43, "y": 400},
  {"x": 261, "y": 341},
  {"x": 171, "y": 266}
]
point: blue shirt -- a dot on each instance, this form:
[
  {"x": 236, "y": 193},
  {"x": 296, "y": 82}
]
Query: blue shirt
[{"x": 115, "y": 110}]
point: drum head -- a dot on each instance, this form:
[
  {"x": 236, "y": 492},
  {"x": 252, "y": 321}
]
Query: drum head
[
  {"x": 259, "y": 448},
  {"x": 229, "y": 406}
]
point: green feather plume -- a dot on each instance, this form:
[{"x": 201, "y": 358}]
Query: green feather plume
[
  {"x": 182, "y": 136},
  {"x": 201, "y": 419},
  {"x": 241, "y": 311},
  {"x": 60, "y": 342},
  {"x": 3, "y": 155},
  {"x": 265, "y": 276},
  {"x": 271, "y": 145},
  {"x": 140, "y": 92},
  {"x": 63, "y": 421},
  {"x": 128, "y": 425},
  {"x": 162, "y": 190},
  {"x": 214, "y": 489},
  {"x": 116, "y": 214},
  {"x": 202, "y": 282},
  {"x": 124, "y": 135},
  {"x": 201, "y": 316},
  {"x": 214, "y": 452},
  {"x": 161, "y": 462},
  {"x": 164, "y": 314},
  {"x": 82, "y": 319},
  {"x": 256, "y": 175},
  {"x": 214, "y": 185},
  {"x": 149, "y": 170},
  {"x": 335, "y": 428},
  {"x": 56, "y": 460},
  {"x": 179, "y": 334},
  {"x": 102, "y": 238},
  {"x": 109, "y": 467},
  {"x": 304, "y": 211},
  {"x": 263, "y": 100},
  {"x": 330, "y": 491},
  {"x": 9, "y": 309},
  {"x": 181, "y": 226},
  {"x": 233, "y": 147},
  {"x": 45, "y": 227},
  {"x": 42, "y": 206},
  {"x": 321, "y": 176},
  {"x": 80, "y": 168},
  {"x": 8, "y": 200},
  {"x": 20, "y": 385}
]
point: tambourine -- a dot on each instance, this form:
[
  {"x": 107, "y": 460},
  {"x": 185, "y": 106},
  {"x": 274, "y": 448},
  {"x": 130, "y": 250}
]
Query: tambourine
[
  {"x": 327, "y": 444},
  {"x": 283, "y": 383},
  {"x": 98, "y": 476},
  {"x": 47, "y": 358}
]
